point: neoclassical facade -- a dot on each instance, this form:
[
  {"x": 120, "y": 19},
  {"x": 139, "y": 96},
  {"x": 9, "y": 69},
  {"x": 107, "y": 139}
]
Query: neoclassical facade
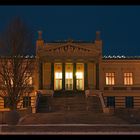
[
  {"x": 78, "y": 67},
  {"x": 69, "y": 65}
]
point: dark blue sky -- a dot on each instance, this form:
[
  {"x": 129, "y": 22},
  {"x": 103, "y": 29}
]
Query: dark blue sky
[{"x": 119, "y": 25}]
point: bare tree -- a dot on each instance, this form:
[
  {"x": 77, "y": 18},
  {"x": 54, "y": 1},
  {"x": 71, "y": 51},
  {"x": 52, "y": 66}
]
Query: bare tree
[{"x": 16, "y": 65}]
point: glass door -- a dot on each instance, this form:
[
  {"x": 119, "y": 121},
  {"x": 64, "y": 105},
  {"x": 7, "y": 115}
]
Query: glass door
[{"x": 69, "y": 81}]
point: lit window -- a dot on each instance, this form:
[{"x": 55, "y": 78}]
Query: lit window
[
  {"x": 79, "y": 80},
  {"x": 58, "y": 75},
  {"x": 58, "y": 80},
  {"x": 11, "y": 82},
  {"x": 28, "y": 79},
  {"x": 128, "y": 78},
  {"x": 110, "y": 78},
  {"x": 69, "y": 75},
  {"x": 69, "y": 81},
  {"x": 79, "y": 75}
]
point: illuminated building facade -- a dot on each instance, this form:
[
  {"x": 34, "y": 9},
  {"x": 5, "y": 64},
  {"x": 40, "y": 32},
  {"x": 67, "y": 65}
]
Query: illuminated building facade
[{"x": 79, "y": 67}]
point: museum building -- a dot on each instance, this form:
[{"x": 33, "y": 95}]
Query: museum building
[{"x": 78, "y": 67}]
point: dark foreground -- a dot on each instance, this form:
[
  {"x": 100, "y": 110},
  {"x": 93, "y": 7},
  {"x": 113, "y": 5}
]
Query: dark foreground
[
  {"x": 71, "y": 123},
  {"x": 73, "y": 129}
]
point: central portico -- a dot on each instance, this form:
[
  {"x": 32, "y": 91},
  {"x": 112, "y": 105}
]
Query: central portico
[
  {"x": 69, "y": 76},
  {"x": 68, "y": 65}
]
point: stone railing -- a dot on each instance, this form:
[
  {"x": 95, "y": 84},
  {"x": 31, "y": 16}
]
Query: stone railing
[
  {"x": 100, "y": 95},
  {"x": 90, "y": 93},
  {"x": 37, "y": 94},
  {"x": 105, "y": 109},
  {"x": 34, "y": 107}
]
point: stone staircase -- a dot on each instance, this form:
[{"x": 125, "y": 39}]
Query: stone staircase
[
  {"x": 94, "y": 104},
  {"x": 43, "y": 104},
  {"x": 69, "y": 102},
  {"x": 72, "y": 103}
]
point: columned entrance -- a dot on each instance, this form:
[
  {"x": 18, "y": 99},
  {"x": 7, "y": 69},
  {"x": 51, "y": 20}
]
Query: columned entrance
[{"x": 68, "y": 76}]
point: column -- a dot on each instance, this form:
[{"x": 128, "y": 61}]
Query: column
[
  {"x": 63, "y": 76},
  {"x": 97, "y": 76},
  {"x": 40, "y": 75},
  {"x": 52, "y": 76},
  {"x": 85, "y": 77},
  {"x": 74, "y": 76}
]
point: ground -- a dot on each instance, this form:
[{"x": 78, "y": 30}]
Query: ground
[
  {"x": 74, "y": 117},
  {"x": 71, "y": 123}
]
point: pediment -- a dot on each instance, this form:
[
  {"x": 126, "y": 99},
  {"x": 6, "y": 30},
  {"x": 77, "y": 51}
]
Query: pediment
[{"x": 68, "y": 50}]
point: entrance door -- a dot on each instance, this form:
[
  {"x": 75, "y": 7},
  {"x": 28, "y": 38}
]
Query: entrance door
[
  {"x": 80, "y": 76},
  {"x": 68, "y": 76},
  {"x": 69, "y": 81}
]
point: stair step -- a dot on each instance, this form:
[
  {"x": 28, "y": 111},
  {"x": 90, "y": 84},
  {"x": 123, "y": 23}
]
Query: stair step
[{"x": 69, "y": 102}]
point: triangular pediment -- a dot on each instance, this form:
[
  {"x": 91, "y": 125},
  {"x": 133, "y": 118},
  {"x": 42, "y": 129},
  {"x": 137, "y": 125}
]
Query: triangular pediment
[{"x": 68, "y": 50}]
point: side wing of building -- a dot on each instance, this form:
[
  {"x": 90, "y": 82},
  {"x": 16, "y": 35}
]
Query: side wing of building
[{"x": 120, "y": 82}]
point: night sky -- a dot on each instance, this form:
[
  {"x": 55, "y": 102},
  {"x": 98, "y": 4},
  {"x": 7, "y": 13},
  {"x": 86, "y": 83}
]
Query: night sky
[{"x": 119, "y": 25}]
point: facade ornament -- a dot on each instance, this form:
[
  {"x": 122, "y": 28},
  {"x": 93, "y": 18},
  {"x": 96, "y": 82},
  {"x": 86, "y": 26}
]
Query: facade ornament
[
  {"x": 39, "y": 35},
  {"x": 97, "y": 35}
]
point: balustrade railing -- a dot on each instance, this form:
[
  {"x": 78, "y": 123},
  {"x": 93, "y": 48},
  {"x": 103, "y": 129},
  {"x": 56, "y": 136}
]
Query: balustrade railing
[{"x": 36, "y": 102}]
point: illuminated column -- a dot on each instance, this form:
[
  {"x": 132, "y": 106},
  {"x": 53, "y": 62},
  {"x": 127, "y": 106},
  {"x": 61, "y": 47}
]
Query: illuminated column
[
  {"x": 85, "y": 77},
  {"x": 52, "y": 76},
  {"x": 63, "y": 76},
  {"x": 40, "y": 75},
  {"x": 74, "y": 76},
  {"x": 97, "y": 76}
]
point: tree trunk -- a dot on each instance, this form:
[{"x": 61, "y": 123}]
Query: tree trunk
[{"x": 12, "y": 117}]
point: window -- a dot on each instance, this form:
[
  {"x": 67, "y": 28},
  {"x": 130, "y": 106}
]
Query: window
[
  {"x": 111, "y": 101},
  {"x": 58, "y": 80},
  {"x": 79, "y": 80},
  {"x": 128, "y": 78},
  {"x": 28, "y": 79},
  {"x": 69, "y": 76},
  {"x": 129, "y": 102},
  {"x": 11, "y": 82},
  {"x": 6, "y": 102},
  {"x": 58, "y": 76},
  {"x": 69, "y": 81},
  {"x": 80, "y": 76},
  {"x": 26, "y": 101},
  {"x": 110, "y": 78}
]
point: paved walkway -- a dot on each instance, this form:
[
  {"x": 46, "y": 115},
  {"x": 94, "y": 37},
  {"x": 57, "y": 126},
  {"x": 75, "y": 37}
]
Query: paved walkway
[
  {"x": 70, "y": 133},
  {"x": 72, "y": 118},
  {"x": 71, "y": 123},
  {"x": 71, "y": 129}
]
